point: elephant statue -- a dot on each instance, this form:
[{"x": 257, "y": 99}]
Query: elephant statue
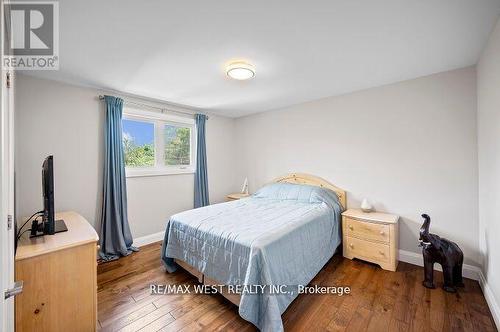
[{"x": 444, "y": 252}]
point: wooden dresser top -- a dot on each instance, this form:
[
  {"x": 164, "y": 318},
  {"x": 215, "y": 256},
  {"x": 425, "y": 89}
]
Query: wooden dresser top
[
  {"x": 371, "y": 216},
  {"x": 79, "y": 232}
]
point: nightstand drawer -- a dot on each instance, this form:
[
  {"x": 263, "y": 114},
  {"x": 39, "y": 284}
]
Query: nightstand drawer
[
  {"x": 370, "y": 251},
  {"x": 368, "y": 231}
]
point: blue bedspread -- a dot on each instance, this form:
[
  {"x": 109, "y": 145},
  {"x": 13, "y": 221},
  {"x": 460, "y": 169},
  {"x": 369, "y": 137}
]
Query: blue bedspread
[{"x": 282, "y": 235}]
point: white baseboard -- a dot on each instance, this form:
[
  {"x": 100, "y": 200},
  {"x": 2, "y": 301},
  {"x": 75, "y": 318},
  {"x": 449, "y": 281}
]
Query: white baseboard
[
  {"x": 148, "y": 239},
  {"x": 468, "y": 271},
  {"x": 490, "y": 299}
]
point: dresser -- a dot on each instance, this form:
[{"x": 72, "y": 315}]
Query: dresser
[
  {"x": 60, "y": 279},
  {"x": 372, "y": 237}
]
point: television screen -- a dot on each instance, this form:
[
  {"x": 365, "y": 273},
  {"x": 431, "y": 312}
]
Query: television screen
[{"x": 48, "y": 195}]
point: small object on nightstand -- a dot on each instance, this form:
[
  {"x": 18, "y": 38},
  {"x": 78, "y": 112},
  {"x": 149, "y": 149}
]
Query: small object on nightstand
[
  {"x": 236, "y": 196},
  {"x": 366, "y": 206},
  {"x": 372, "y": 237},
  {"x": 244, "y": 189}
]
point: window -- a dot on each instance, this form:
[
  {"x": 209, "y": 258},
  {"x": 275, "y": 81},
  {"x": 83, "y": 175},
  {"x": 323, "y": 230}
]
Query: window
[{"x": 157, "y": 144}]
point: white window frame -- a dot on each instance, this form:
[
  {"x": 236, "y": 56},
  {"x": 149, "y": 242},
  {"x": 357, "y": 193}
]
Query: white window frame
[{"x": 159, "y": 120}]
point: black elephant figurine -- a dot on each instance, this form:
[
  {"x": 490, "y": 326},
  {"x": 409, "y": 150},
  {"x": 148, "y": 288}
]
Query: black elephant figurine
[{"x": 444, "y": 252}]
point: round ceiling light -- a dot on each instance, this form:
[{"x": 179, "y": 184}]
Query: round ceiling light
[{"x": 240, "y": 71}]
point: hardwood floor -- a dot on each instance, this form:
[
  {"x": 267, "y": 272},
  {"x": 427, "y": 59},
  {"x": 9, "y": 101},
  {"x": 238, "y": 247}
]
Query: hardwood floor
[{"x": 380, "y": 301}]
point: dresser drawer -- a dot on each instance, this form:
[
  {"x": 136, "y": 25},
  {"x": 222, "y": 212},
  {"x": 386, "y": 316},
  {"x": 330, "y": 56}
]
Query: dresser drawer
[
  {"x": 370, "y": 251},
  {"x": 368, "y": 231}
]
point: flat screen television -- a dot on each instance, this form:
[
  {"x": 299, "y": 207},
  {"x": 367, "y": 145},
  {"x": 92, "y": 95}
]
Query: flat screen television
[{"x": 48, "y": 225}]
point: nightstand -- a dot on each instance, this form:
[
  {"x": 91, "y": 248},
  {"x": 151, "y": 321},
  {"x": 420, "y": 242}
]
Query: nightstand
[
  {"x": 372, "y": 237},
  {"x": 236, "y": 196}
]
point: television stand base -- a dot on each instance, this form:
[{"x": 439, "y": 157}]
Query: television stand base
[{"x": 59, "y": 227}]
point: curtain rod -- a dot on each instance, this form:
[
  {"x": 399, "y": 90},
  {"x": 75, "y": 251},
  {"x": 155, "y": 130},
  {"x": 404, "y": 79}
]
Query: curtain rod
[{"x": 161, "y": 109}]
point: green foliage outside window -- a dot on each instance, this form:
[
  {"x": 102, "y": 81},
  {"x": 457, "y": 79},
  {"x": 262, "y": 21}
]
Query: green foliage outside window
[
  {"x": 138, "y": 155},
  {"x": 177, "y": 145}
]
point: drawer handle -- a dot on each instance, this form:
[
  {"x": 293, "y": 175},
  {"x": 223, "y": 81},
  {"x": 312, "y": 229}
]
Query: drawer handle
[
  {"x": 382, "y": 232},
  {"x": 381, "y": 253},
  {"x": 351, "y": 245},
  {"x": 350, "y": 227}
]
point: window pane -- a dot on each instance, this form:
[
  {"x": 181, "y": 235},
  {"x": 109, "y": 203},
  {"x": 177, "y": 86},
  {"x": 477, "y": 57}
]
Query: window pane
[
  {"x": 138, "y": 143},
  {"x": 177, "y": 145}
]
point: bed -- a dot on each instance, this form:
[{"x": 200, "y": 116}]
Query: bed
[{"x": 282, "y": 235}]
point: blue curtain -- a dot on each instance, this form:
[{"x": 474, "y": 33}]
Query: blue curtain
[
  {"x": 201, "y": 178},
  {"x": 116, "y": 239}
]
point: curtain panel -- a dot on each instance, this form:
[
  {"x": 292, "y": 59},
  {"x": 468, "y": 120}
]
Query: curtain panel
[{"x": 115, "y": 236}]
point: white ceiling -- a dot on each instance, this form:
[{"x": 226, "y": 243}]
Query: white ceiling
[{"x": 176, "y": 51}]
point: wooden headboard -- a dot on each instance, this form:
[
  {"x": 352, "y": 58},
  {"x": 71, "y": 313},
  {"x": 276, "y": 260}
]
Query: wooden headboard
[{"x": 301, "y": 178}]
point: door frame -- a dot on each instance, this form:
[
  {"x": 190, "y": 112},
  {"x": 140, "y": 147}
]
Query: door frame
[{"x": 7, "y": 218}]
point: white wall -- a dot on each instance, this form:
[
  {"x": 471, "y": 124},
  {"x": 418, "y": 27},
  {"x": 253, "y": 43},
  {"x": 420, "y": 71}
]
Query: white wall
[
  {"x": 409, "y": 147},
  {"x": 67, "y": 121},
  {"x": 488, "y": 87}
]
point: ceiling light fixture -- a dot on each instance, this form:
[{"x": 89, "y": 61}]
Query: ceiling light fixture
[{"x": 240, "y": 70}]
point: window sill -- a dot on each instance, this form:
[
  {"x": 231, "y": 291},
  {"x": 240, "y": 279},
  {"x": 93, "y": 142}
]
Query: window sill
[{"x": 134, "y": 173}]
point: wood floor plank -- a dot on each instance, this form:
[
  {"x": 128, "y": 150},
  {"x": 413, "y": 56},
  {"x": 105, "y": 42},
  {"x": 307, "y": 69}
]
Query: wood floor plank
[
  {"x": 398, "y": 326},
  {"x": 344, "y": 314},
  {"x": 118, "y": 323},
  {"x": 360, "y": 320},
  {"x": 439, "y": 318},
  {"x": 379, "y": 301},
  {"x": 107, "y": 308},
  {"x": 326, "y": 305},
  {"x": 402, "y": 310},
  {"x": 379, "y": 322},
  {"x": 185, "y": 319},
  {"x": 141, "y": 323},
  {"x": 204, "y": 321}
]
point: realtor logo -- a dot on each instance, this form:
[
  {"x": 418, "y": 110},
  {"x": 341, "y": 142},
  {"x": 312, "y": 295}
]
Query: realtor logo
[{"x": 31, "y": 40}]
